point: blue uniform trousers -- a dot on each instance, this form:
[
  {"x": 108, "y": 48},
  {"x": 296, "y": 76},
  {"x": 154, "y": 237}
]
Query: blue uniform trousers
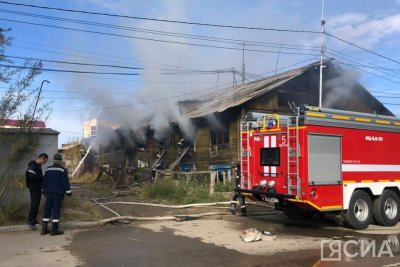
[{"x": 52, "y": 208}]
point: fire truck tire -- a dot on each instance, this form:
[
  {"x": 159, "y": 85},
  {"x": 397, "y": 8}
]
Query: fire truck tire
[
  {"x": 359, "y": 214},
  {"x": 386, "y": 208}
]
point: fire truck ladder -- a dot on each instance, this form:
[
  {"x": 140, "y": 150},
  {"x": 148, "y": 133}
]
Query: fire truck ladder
[
  {"x": 173, "y": 165},
  {"x": 293, "y": 179},
  {"x": 245, "y": 155}
]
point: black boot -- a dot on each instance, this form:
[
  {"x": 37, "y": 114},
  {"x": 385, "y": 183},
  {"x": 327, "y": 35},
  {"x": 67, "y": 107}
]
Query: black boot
[
  {"x": 45, "y": 230},
  {"x": 54, "y": 229}
]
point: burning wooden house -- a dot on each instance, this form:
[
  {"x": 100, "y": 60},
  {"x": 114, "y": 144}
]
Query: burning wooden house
[{"x": 216, "y": 119}]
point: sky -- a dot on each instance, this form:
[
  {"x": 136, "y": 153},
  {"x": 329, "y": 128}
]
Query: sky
[{"x": 149, "y": 61}]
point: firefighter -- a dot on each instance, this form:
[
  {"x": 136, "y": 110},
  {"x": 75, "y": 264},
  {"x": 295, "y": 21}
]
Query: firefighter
[
  {"x": 181, "y": 145},
  {"x": 55, "y": 185},
  {"x": 82, "y": 151},
  {"x": 34, "y": 180}
]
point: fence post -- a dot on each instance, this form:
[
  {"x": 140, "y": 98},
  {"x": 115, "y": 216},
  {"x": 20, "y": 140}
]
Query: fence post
[
  {"x": 224, "y": 177},
  {"x": 213, "y": 175}
]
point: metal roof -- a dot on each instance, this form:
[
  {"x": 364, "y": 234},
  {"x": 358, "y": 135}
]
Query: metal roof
[
  {"x": 231, "y": 97},
  {"x": 235, "y": 96}
]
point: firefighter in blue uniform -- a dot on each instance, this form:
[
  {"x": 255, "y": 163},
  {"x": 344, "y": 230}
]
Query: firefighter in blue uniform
[
  {"x": 55, "y": 185},
  {"x": 34, "y": 180}
]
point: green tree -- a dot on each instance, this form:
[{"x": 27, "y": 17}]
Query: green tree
[{"x": 17, "y": 101}]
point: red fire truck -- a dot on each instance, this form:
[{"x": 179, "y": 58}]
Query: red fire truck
[{"x": 338, "y": 163}]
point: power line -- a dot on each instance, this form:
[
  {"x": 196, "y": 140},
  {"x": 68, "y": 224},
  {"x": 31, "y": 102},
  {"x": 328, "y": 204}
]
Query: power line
[
  {"x": 340, "y": 62},
  {"x": 167, "y": 33},
  {"x": 375, "y": 66},
  {"x": 370, "y": 29},
  {"x": 151, "y": 39},
  {"x": 387, "y": 93},
  {"x": 194, "y": 23},
  {"x": 166, "y": 98},
  {"x": 141, "y": 103},
  {"x": 68, "y": 71},
  {"x": 75, "y": 63},
  {"x": 362, "y": 48},
  {"x": 158, "y": 20},
  {"x": 357, "y": 64},
  {"x": 391, "y": 104}
]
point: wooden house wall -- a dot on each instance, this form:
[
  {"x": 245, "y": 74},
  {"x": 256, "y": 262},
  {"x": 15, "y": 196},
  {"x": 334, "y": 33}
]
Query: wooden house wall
[{"x": 199, "y": 154}]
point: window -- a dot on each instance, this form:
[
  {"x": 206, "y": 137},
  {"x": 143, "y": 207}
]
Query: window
[
  {"x": 92, "y": 130},
  {"x": 270, "y": 156},
  {"x": 219, "y": 136}
]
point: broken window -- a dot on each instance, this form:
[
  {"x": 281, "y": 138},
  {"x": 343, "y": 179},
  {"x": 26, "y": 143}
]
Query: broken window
[{"x": 219, "y": 136}]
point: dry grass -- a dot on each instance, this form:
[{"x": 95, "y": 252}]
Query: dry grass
[
  {"x": 180, "y": 192},
  {"x": 84, "y": 178},
  {"x": 78, "y": 209}
]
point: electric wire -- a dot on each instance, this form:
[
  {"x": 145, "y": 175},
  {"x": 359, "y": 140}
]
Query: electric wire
[
  {"x": 158, "y": 20},
  {"x": 69, "y": 71},
  {"x": 200, "y": 24},
  {"x": 75, "y": 63},
  {"x": 167, "y": 33},
  {"x": 153, "y": 39}
]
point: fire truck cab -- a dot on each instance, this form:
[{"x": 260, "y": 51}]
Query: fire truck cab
[{"x": 339, "y": 163}]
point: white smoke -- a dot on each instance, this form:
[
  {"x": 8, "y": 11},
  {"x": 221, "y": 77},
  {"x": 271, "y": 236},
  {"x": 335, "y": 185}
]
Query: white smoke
[{"x": 340, "y": 87}]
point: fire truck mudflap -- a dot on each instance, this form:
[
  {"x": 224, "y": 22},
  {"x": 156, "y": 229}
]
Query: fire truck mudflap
[{"x": 337, "y": 163}]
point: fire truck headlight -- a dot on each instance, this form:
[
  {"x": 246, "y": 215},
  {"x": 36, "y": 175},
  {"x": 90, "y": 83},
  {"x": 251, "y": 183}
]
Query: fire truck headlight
[
  {"x": 262, "y": 183},
  {"x": 271, "y": 184}
]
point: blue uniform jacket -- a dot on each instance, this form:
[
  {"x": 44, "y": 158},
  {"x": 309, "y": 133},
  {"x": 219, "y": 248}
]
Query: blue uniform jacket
[{"x": 56, "y": 180}]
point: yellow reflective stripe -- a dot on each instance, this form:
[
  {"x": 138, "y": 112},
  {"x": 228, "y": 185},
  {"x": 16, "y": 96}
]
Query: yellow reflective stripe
[
  {"x": 317, "y": 207},
  {"x": 312, "y": 114},
  {"x": 362, "y": 120},
  {"x": 336, "y": 207},
  {"x": 340, "y": 117},
  {"x": 382, "y": 122}
]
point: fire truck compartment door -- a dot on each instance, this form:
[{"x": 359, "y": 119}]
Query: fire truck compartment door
[{"x": 324, "y": 159}]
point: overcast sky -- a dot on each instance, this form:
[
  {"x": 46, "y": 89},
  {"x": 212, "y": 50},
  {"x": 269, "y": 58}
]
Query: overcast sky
[{"x": 176, "y": 67}]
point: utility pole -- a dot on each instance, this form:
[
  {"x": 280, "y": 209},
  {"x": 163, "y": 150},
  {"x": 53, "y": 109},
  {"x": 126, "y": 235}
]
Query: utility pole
[
  {"x": 37, "y": 101},
  {"x": 234, "y": 83},
  {"x": 277, "y": 59},
  {"x": 322, "y": 53},
  {"x": 243, "y": 66}
]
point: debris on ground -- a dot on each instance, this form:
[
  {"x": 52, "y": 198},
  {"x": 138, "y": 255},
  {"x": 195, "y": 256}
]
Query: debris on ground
[
  {"x": 268, "y": 236},
  {"x": 251, "y": 235}
]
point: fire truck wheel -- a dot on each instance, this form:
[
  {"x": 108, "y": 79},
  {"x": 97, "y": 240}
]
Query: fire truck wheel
[
  {"x": 359, "y": 214},
  {"x": 386, "y": 208}
]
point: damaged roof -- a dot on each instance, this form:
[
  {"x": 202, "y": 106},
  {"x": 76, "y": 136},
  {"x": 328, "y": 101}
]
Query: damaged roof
[{"x": 223, "y": 100}]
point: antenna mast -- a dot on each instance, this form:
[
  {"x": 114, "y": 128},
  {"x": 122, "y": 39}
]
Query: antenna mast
[{"x": 321, "y": 66}]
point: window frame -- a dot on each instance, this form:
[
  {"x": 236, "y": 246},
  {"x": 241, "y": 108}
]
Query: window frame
[
  {"x": 220, "y": 137},
  {"x": 262, "y": 149}
]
